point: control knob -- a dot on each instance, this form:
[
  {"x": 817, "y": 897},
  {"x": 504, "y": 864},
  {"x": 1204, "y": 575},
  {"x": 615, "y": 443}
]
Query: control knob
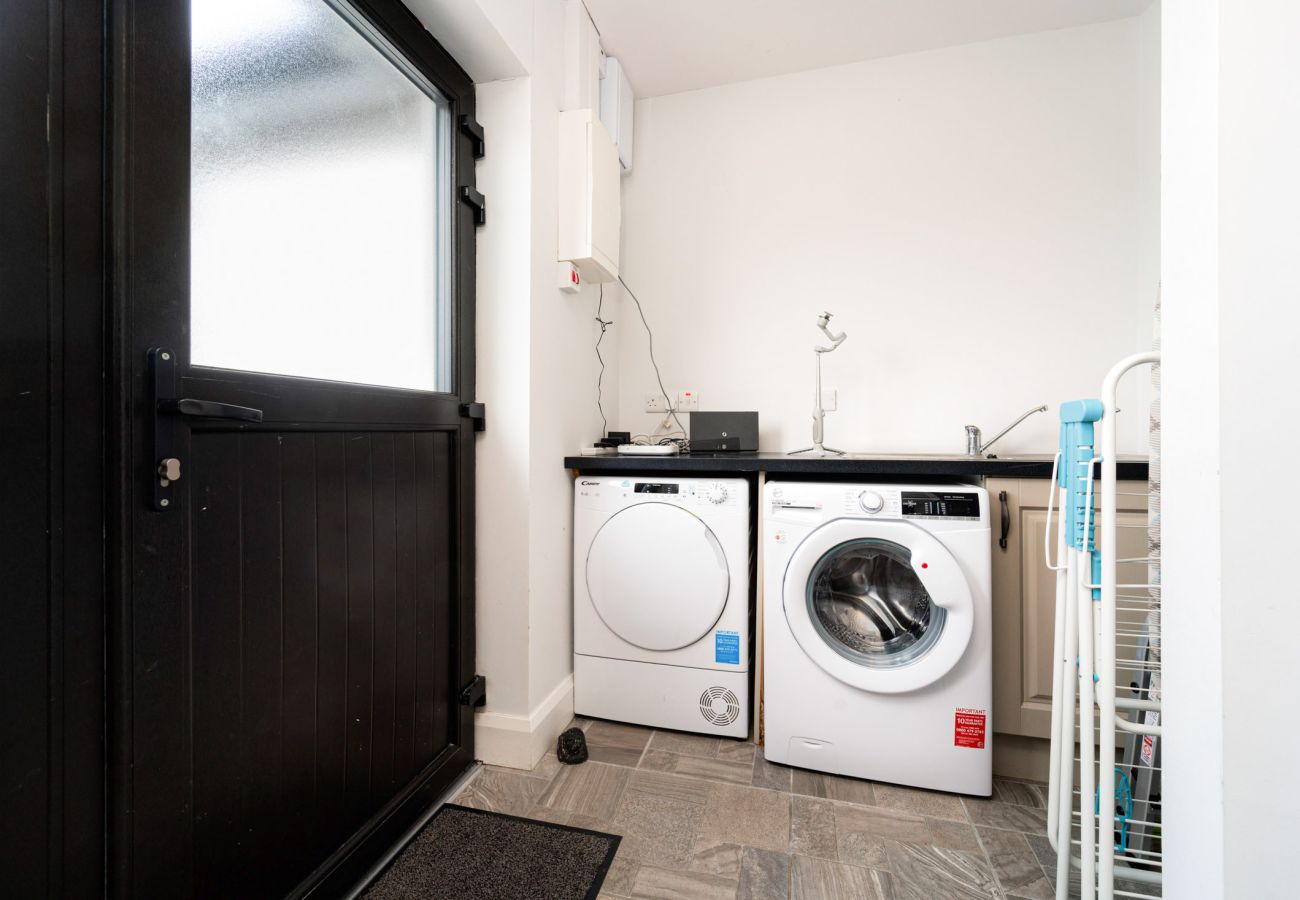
[
  {"x": 716, "y": 494},
  {"x": 871, "y": 502}
]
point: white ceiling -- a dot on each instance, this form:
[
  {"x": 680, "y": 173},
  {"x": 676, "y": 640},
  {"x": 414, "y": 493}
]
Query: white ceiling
[{"x": 668, "y": 46}]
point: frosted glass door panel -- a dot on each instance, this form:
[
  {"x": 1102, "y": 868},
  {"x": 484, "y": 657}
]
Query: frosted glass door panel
[{"x": 320, "y": 199}]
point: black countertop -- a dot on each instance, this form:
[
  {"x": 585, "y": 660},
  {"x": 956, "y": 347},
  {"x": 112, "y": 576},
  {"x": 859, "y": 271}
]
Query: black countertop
[{"x": 911, "y": 465}]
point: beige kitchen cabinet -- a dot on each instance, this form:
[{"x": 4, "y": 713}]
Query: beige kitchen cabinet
[{"x": 1024, "y": 612}]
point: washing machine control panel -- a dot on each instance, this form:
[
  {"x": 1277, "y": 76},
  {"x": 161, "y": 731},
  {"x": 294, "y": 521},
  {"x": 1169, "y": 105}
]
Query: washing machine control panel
[
  {"x": 874, "y": 502},
  {"x": 941, "y": 505},
  {"x": 871, "y": 501},
  {"x": 905, "y": 504}
]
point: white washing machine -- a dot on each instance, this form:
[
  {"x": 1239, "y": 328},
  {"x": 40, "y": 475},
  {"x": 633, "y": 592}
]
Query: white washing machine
[
  {"x": 877, "y": 642},
  {"x": 661, "y": 602}
]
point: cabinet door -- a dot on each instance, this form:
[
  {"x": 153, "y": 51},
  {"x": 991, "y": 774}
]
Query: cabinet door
[{"x": 1024, "y": 598}]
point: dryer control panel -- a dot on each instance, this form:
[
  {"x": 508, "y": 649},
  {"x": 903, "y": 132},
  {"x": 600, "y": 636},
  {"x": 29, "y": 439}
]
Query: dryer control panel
[{"x": 700, "y": 495}]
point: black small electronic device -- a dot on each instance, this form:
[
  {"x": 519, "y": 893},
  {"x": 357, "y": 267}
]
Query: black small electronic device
[
  {"x": 615, "y": 439},
  {"x": 724, "y": 432}
]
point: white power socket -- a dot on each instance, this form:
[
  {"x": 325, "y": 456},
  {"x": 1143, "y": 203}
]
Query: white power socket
[
  {"x": 655, "y": 402},
  {"x": 829, "y": 398},
  {"x": 688, "y": 401}
]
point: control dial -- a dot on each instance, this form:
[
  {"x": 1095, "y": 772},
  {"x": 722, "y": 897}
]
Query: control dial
[
  {"x": 716, "y": 494},
  {"x": 871, "y": 502}
]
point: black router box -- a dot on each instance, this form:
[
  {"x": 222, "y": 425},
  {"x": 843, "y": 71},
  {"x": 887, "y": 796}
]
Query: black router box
[{"x": 724, "y": 432}]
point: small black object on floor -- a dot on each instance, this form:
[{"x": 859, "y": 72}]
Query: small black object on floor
[
  {"x": 472, "y": 854},
  {"x": 572, "y": 747}
]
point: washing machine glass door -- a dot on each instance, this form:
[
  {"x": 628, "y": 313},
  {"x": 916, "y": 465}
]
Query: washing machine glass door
[
  {"x": 657, "y": 576},
  {"x": 883, "y": 606}
]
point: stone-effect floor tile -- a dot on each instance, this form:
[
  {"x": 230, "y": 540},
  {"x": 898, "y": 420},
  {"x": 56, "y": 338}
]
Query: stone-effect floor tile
[
  {"x": 745, "y": 815},
  {"x": 653, "y": 883},
  {"x": 1043, "y": 851},
  {"x": 674, "y": 787},
  {"x": 719, "y": 859},
  {"x": 737, "y": 751},
  {"x": 1020, "y": 793},
  {"x": 1014, "y": 864},
  {"x": 502, "y": 790},
  {"x": 565, "y": 817},
  {"x": 953, "y": 835},
  {"x": 812, "y": 827},
  {"x": 821, "y": 879},
  {"x": 685, "y": 743},
  {"x": 592, "y": 789},
  {"x": 888, "y": 824},
  {"x": 697, "y": 767},
  {"x": 770, "y": 775},
  {"x": 764, "y": 875},
  {"x": 861, "y": 849},
  {"x": 615, "y": 743},
  {"x": 621, "y": 876},
  {"x": 995, "y": 814},
  {"x": 923, "y": 803},
  {"x": 923, "y": 872},
  {"x": 546, "y": 767},
  {"x": 832, "y": 787},
  {"x": 656, "y": 830}
]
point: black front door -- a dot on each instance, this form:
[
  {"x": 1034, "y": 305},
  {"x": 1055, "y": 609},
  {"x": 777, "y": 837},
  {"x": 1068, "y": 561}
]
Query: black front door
[{"x": 292, "y": 616}]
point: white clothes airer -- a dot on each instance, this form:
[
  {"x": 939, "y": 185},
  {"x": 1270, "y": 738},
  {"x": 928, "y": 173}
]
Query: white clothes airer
[{"x": 1106, "y": 677}]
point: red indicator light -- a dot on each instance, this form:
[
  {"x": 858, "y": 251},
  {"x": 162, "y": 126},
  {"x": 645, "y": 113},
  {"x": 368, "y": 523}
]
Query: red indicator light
[{"x": 925, "y": 565}]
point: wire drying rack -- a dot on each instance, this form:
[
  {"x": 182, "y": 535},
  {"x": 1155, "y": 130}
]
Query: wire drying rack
[{"x": 1104, "y": 805}]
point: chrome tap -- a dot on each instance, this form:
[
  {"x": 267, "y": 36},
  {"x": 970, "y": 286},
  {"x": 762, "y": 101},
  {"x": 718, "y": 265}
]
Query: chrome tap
[{"x": 973, "y": 445}]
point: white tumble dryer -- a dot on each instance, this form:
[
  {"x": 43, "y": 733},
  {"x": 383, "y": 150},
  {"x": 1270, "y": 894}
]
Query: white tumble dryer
[
  {"x": 661, "y": 602},
  {"x": 877, "y": 644}
]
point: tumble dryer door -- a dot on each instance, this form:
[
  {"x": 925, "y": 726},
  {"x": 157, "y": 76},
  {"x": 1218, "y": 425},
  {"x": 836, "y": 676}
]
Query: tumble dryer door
[
  {"x": 882, "y": 606},
  {"x": 657, "y": 576}
]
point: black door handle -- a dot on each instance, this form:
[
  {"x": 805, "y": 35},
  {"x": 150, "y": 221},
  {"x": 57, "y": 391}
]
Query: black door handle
[
  {"x": 1006, "y": 520},
  {"x": 166, "y": 469},
  {"x": 209, "y": 409}
]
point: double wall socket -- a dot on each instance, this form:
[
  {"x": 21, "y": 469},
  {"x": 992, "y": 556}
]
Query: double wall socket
[{"x": 687, "y": 401}]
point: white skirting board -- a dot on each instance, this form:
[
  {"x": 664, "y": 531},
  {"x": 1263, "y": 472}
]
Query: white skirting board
[{"x": 518, "y": 742}]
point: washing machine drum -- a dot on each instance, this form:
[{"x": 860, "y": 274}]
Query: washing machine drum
[
  {"x": 868, "y": 604},
  {"x": 657, "y": 576},
  {"x": 888, "y": 610}
]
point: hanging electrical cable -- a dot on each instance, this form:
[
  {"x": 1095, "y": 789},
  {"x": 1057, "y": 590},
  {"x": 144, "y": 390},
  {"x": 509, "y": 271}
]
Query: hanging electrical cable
[
  {"x": 672, "y": 409},
  {"x": 604, "y": 326}
]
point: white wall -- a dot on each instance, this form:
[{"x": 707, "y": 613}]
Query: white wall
[
  {"x": 502, "y": 358},
  {"x": 1191, "y": 503},
  {"x": 1259, "y": 287},
  {"x": 1231, "y": 186},
  {"x": 1259, "y": 290},
  {"x": 982, "y": 220},
  {"x": 536, "y": 373}
]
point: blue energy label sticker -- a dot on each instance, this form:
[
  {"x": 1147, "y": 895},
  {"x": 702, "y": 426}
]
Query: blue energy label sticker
[{"x": 726, "y": 646}]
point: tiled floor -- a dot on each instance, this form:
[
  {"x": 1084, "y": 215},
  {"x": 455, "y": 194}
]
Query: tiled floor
[{"x": 706, "y": 818}]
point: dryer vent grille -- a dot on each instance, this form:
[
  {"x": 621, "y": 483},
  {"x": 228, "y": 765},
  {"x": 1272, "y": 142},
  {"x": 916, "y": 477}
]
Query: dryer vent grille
[{"x": 719, "y": 706}]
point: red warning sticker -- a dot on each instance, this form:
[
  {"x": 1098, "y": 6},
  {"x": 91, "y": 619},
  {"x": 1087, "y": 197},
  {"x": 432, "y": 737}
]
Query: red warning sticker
[{"x": 968, "y": 728}]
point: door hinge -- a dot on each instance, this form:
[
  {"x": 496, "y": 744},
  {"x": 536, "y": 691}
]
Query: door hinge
[
  {"x": 474, "y": 694},
  {"x": 477, "y": 413},
  {"x": 474, "y": 131},
  {"x": 476, "y": 201}
]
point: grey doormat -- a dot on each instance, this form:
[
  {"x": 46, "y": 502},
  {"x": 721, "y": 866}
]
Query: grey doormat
[{"x": 470, "y": 854}]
